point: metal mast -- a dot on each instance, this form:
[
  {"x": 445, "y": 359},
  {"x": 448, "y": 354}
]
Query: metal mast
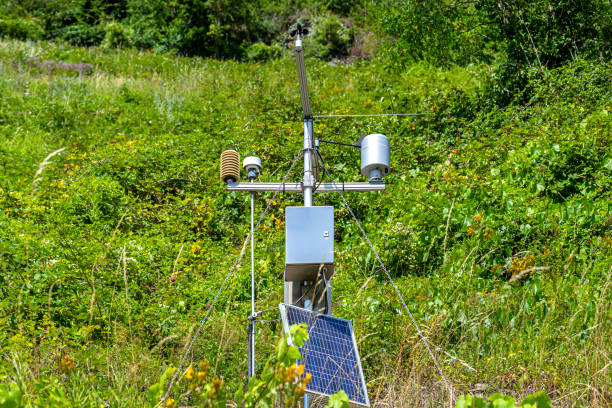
[
  {"x": 309, "y": 245},
  {"x": 253, "y": 315},
  {"x": 308, "y": 131}
]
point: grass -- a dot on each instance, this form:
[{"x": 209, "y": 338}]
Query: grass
[{"x": 495, "y": 224}]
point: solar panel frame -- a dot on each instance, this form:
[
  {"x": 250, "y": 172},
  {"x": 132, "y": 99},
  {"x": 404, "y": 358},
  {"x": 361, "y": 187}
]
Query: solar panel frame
[{"x": 314, "y": 316}]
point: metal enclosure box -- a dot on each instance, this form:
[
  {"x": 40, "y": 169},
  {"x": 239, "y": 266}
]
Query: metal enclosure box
[{"x": 309, "y": 243}]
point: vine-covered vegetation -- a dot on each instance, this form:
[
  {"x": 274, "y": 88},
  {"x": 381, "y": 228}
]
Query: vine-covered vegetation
[{"x": 115, "y": 232}]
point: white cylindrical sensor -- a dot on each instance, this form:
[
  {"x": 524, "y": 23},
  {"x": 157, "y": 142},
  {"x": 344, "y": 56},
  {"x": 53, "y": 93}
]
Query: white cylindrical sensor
[
  {"x": 375, "y": 156},
  {"x": 252, "y": 165}
]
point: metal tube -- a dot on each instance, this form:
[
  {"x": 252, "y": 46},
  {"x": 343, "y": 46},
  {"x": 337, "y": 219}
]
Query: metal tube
[
  {"x": 297, "y": 187},
  {"x": 308, "y": 180},
  {"x": 252, "y": 322}
]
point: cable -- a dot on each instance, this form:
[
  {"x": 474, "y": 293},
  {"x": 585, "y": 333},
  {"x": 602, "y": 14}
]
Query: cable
[
  {"x": 303, "y": 295},
  {"x": 339, "y": 143},
  {"x": 421, "y": 335},
  {"x": 323, "y": 164},
  {"x": 264, "y": 311},
  {"x": 369, "y": 115},
  {"x": 267, "y": 321},
  {"x": 238, "y": 258}
]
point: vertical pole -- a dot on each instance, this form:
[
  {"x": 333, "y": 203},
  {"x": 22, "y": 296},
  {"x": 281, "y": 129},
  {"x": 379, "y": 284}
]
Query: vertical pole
[
  {"x": 308, "y": 176},
  {"x": 308, "y": 189},
  {"x": 308, "y": 181},
  {"x": 252, "y": 322}
]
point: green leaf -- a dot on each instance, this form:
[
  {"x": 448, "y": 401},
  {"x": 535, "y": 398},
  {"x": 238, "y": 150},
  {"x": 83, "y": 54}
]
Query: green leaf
[
  {"x": 501, "y": 401},
  {"x": 154, "y": 393},
  {"x": 539, "y": 400},
  {"x": 338, "y": 400},
  {"x": 468, "y": 401},
  {"x": 464, "y": 401},
  {"x": 299, "y": 334},
  {"x": 293, "y": 354},
  {"x": 11, "y": 397}
]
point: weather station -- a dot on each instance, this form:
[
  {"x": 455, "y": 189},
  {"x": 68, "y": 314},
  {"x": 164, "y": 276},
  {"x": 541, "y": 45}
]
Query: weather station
[{"x": 331, "y": 354}]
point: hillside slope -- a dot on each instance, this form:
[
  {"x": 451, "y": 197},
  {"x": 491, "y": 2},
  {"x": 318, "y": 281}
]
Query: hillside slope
[{"x": 115, "y": 232}]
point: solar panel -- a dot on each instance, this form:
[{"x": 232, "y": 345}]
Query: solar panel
[{"x": 330, "y": 354}]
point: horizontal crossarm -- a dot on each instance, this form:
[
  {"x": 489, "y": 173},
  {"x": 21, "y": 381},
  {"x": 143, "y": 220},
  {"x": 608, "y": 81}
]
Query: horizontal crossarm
[{"x": 298, "y": 187}]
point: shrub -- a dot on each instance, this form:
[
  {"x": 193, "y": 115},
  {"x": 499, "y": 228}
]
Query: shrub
[
  {"x": 544, "y": 34},
  {"x": 83, "y": 34},
  {"x": 433, "y": 31},
  {"x": 341, "y": 6},
  {"x": 282, "y": 378},
  {"x": 263, "y": 52},
  {"x": 537, "y": 400},
  {"x": 330, "y": 38},
  {"x": 117, "y": 36},
  {"x": 21, "y": 28}
]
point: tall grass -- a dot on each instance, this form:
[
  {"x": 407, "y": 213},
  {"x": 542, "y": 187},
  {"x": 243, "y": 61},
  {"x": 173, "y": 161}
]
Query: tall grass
[{"x": 511, "y": 287}]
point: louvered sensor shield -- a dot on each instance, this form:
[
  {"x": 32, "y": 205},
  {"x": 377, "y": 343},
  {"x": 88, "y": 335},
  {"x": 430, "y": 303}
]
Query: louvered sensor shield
[{"x": 330, "y": 355}]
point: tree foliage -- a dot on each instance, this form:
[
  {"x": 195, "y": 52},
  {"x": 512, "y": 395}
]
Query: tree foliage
[
  {"x": 219, "y": 28},
  {"x": 530, "y": 34}
]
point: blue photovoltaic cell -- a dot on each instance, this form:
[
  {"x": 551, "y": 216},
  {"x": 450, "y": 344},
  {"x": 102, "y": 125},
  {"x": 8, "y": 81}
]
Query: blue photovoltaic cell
[{"x": 330, "y": 355}]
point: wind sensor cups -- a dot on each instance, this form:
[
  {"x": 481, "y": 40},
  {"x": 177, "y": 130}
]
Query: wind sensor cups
[
  {"x": 375, "y": 157},
  {"x": 230, "y": 166},
  {"x": 252, "y": 165}
]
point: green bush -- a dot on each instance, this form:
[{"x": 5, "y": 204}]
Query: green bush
[
  {"x": 544, "y": 34},
  {"x": 537, "y": 400},
  {"x": 117, "y": 36},
  {"x": 330, "y": 38},
  {"x": 20, "y": 28},
  {"x": 11, "y": 396},
  {"x": 193, "y": 27},
  {"x": 342, "y": 7},
  {"x": 434, "y": 31},
  {"x": 263, "y": 52},
  {"x": 83, "y": 34}
]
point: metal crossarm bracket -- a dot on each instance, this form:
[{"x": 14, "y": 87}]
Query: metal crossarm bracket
[{"x": 298, "y": 187}]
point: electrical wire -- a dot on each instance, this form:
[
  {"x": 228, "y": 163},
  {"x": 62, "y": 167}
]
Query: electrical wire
[
  {"x": 339, "y": 143},
  {"x": 231, "y": 270},
  {"x": 320, "y": 158},
  {"x": 418, "y": 329}
]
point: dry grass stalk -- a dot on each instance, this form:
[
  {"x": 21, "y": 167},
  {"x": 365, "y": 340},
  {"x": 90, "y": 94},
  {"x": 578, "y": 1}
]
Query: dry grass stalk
[{"x": 42, "y": 166}]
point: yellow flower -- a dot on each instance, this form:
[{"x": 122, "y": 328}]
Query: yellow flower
[
  {"x": 204, "y": 366},
  {"x": 67, "y": 363},
  {"x": 169, "y": 402},
  {"x": 189, "y": 373}
]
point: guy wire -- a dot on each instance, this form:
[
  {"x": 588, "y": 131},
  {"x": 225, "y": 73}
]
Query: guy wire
[
  {"x": 418, "y": 329},
  {"x": 371, "y": 115}
]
